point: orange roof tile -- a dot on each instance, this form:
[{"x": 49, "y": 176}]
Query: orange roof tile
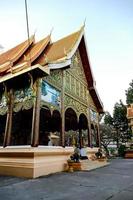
[
  {"x": 15, "y": 53},
  {"x": 4, "y": 67},
  {"x": 61, "y": 48},
  {"x": 35, "y": 50}
]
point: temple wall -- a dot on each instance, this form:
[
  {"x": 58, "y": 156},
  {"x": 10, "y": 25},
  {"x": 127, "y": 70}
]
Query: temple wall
[{"x": 34, "y": 162}]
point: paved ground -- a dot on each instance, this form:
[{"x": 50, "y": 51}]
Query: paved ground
[{"x": 113, "y": 182}]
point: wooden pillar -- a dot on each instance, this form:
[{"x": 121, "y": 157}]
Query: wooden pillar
[
  {"x": 89, "y": 138},
  {"x": 89, "y": 135},
  {"x": 89, "y": 128},
  {"x": 89, "y": 120},
  {"x": 36, "y": 115},
  {"x": 98, "y": 133},
  {"x": 80, "y": 138},
  {"x": 63, "y": 110},
  {"x": 8, "y": 128}
]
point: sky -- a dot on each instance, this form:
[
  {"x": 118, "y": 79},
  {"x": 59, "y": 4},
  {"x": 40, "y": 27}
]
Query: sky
[{"x": 108, "y": 31}]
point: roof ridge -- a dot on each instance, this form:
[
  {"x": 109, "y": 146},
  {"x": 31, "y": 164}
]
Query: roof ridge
[
  {"x": 47, "y": 37},
  {"x": 74, "y": 43},
  {"x": 65, "y": 37},
  {"x": 40, "y": 45},
  {"x": 32, "y": 38}
]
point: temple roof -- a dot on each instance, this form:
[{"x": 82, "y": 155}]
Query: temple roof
[
  {"x": 45, "y": 54},
  {"x": 35, "y": 50},
  {"x": 60, "y": 49},
  {"x": 15, "y": 53}
]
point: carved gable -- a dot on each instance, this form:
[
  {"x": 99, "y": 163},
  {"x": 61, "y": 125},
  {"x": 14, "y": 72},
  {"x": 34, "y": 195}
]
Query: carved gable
[
  {"x": 77, "y": 67},
  {"x": 76, "y": 83}
]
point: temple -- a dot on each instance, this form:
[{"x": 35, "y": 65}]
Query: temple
[{"x": 48, "y": 104}]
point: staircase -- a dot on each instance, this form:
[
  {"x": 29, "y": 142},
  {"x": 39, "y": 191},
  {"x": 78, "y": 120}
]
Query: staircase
[{"x": 88, "y": 165}]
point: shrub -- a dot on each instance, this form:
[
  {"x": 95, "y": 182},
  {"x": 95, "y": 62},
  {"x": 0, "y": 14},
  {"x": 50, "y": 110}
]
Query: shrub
[{"x": 121, "y": 150}]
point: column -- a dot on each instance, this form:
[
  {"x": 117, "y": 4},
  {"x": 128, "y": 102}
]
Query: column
[
  {"x": 89, "y": 122},
  {"x": 36, "y": 115},
  {"x": 89, "y": 137},
  {"x": 80, "y": 138},
  {"x": 8, "y": 128},
  {"x": 98, "y": 133},
  {"x": 63, "y": 110}
]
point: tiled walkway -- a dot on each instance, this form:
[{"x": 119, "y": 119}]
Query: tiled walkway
[{"x": 113, "y": 182}]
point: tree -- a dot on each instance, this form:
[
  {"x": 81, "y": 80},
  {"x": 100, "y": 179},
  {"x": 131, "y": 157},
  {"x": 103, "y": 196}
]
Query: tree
[
  {"x": 106, "y": 136},
  {"x": 120, "y": 123},
  {"x": 129, "y": 93},
  {"x": 108, "y": 120},
  {"x": 106, "y": 132}
]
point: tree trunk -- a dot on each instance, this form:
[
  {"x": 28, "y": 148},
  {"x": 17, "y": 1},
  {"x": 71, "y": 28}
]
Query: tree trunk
[{"x": 106, "y": 149}]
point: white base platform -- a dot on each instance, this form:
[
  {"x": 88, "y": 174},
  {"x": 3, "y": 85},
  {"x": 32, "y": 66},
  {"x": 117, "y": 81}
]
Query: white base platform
[{"x": 26, "y": 161}]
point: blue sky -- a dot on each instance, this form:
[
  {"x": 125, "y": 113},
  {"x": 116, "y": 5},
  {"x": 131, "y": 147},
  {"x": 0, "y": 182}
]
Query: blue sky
[{"x": 108, "y": 30}]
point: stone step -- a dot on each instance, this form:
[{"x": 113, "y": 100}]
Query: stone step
[{"x": 89, "y": 165}]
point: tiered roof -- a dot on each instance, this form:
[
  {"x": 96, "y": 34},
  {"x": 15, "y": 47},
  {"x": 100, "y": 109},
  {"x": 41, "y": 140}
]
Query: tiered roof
[{"x": 46, "y": 55}]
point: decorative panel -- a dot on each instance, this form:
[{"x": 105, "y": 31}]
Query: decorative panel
[
  {"x": 77, "y": 88},
  {"x": 3, "y": 105},
  {"x": 77, "y": 67},
  {"x": 73, "y": 86},
  {"x": 76, "y": 84},
  {"x": 24, "y": 99},
  {"x": 55, "y": 78},
  {"x": 68, "y": 81},
  {"x": 77, "y": 106}
]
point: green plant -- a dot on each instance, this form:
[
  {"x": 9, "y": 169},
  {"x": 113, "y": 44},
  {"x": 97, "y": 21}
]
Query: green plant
[
  {"x": 112, "y": 151},
  {"x": 121, "y": 150}
]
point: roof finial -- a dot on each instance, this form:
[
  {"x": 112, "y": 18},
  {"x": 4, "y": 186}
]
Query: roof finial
[
  {"x": 84, "y": 22},
  {"x": 51, "y": 30},
  {"x": 83, "y": 26},
  {"x": 35, "y": 32}
]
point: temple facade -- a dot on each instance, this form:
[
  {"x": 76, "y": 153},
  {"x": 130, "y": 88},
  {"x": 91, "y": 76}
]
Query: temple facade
[{"x": 48, "y": 104}]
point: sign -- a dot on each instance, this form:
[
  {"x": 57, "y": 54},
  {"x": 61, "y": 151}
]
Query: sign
[{"x": 50, "y": 94}]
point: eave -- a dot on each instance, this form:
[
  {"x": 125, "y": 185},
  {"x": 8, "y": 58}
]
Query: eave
[
  {"x": 25, "y": 68},
  {"x": 96, "y": 99},
  {"x": 89, "y": 75}
]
